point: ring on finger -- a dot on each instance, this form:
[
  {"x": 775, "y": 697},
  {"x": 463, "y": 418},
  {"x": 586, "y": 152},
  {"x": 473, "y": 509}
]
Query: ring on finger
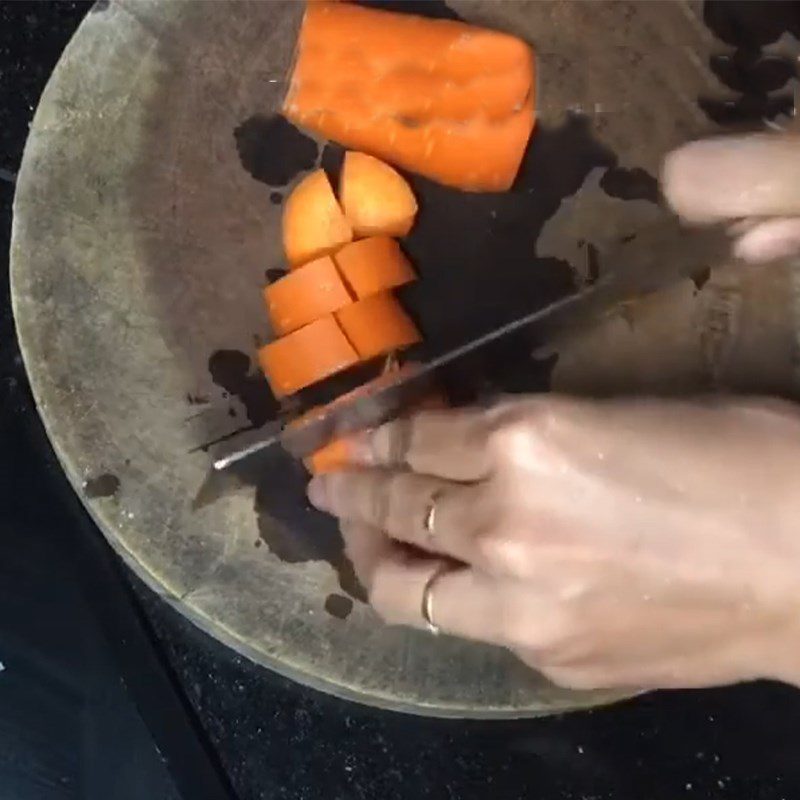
[
  {"x": 429, "y": 520},
  {"x": 426, "y": 606}
]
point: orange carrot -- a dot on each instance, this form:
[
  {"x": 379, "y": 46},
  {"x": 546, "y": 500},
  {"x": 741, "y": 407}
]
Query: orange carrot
[
  {"x": 376, "y": 199},
  {"x": 313, "y": 222},
  {"x": 305, "y": 294},
  {"x": 373, "y": 265},
  {"x": 448, "y": 100},
  {"x": 377, "y": 325},
  {"x": 335, "y": 455},
  {"x": 306, "y": 356}
]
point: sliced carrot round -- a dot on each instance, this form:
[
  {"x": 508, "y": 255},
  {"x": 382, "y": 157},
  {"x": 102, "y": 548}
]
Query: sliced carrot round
[
  {"x": 313, "y": 222},
  {"x": 377, "y": 325},
  {"x": 306, "y": 356},
  {"x": 305, "y": 294},
  {"x": 376, "y": 199},
  {"x": 373, "y": 265}
]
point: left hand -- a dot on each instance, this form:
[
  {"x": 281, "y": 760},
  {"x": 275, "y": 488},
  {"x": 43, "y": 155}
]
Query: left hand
[{"x": 620, "y": 543}]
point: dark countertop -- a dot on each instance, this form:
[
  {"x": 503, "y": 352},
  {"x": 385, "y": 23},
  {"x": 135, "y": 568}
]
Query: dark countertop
[{"x": 276, "y": 739}]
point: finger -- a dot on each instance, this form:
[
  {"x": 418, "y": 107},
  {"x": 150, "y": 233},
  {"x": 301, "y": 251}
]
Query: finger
[
  {"x": 434, "y": 515},
  {"x": 769, "y": 241},
  {"x": 366, "y": 547},
  {"x": 464, "y": 602},
  {"x": 449, "y": 444},
  {"x": 735, "y": 176}
]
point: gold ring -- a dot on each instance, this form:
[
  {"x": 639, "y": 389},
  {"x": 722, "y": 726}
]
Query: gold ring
[
  {"x": 429, "y": 521},
  {"x": 427, "y": 598}
]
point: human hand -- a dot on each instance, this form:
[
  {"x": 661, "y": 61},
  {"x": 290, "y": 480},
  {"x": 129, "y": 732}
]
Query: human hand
[
  {"x": 753, "y": 179},
  {"x": 609, "y": 544}
]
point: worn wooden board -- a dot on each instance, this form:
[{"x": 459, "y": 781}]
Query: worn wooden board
[{"x": 147, "y": 213}]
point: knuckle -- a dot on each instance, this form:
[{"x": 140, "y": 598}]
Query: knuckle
[{"x": 504, "y": 551}]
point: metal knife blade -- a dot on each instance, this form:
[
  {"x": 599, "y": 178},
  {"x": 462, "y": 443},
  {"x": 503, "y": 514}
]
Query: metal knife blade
[{"x": 657, "y": 258}]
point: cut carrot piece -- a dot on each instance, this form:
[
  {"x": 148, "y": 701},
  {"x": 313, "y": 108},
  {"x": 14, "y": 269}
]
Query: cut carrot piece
[
  {"x": 305, "y": 294},
  {"x": 313, "y": 222},
  {"x": 377, "y": 325},
  {"x": 448, "y": 100},
  {"x": 373, "y": 265},
  {"x": 306, "y": 356},
  {"x": 335, "y": 455},
  {"x": 376, "y": 199}
]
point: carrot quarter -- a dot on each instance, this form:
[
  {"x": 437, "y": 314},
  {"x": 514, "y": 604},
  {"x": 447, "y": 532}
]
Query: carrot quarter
[
  {"x": 373, "y": 265},
  {"x": 376, "y": 199},
  {"x": 306, "y": 356},
  {"x": 377, "y": 325},
  {"x": 313, "y": 222},
  {"x": 305, "y": 294}
]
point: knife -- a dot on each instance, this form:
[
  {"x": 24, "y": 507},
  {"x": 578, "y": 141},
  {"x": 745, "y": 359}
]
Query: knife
[{"x": 658, "y": 257}]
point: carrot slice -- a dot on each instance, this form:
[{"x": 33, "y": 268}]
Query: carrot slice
[
  {"x": 373, "y": 265},
  {"x": 306, "y": 356},
  {"x": 313, "y": 222},
  {"x": 305, "y": 294},
  {"x": 376, "y": 199},
  {"x": 448, "y": 100},
  {"x": 377, "y": 325}
]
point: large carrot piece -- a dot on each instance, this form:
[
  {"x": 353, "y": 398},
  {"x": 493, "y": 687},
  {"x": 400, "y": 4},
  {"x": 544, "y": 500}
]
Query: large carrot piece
[
  {"x": 377, "y": 325},
  {"x": 305, "y": 294},
  {"x": 313, "y": 222},
  {"x": 374, "y": 265},
  {"x": 306, "y": 356},
  {"x": 448, "y": 100}
]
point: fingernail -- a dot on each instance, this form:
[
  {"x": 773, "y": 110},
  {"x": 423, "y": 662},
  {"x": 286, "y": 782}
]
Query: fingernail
[{"x": 317, "y": 493}]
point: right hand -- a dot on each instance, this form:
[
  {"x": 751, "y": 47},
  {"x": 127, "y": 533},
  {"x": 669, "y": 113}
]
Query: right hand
[{"x": 753, "y": 180}]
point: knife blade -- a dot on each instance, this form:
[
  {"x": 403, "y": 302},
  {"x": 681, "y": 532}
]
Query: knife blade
[{"x": 658, "y": 257}]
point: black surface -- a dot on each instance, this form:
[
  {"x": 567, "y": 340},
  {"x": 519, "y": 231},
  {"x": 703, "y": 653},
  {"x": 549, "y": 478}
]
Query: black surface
[{"x": 275, "y": 739}]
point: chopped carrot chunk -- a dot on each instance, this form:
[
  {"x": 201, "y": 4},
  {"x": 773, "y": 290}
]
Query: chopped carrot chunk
[
  {"x": 305, "y": 294},
  {"x": 376, "y": 199},
  {"x": 373, "y": 265},
  {"x": 313, "y": 222},
  {"x": 377, "y": 325},
  {"x": 306, "y": 356}
]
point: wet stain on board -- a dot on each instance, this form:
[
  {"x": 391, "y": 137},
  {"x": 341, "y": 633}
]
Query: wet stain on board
[
  {"x": 105, "y": 485},
  {"x": 338, "y": 606},
  {"x": 233, "y": 371},
  {"x": 758, "y": 78},
  {"x": 273, "y": 150}
]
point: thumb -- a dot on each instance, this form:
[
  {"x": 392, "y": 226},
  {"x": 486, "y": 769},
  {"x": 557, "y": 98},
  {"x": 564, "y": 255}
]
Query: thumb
[{"x": 733, "y": 177}]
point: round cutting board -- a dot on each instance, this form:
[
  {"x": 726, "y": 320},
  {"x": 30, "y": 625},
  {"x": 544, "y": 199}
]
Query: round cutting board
[{"x": 147, "y": 214}]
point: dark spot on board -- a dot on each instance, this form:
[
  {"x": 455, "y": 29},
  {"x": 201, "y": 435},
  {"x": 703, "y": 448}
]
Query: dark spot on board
[
  {"x": 258, "y": 542},
  {"x": 700, "y": 279},
  {"x": 274, "y": 274},
  {"x": 233, "y": 371},
  {"x": 630, "y": 184},
  {"x": 751, "y": 23},
  {"x": 332, "y": 162},
  {"x": 105, "y": 485},
  {"x": 100, "y": 5},
  {"x": 754, "y": 76},
  {"x": 339, "y": 606},
  {"x": 272, "y": 150},
  {"x": 196, "y": 399},
  {"x": 476, "y": 257},
  {"x": 276, "y": 198},
  {"x": 435, "y": 9},
  {"x": 231, "y": 412}
]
